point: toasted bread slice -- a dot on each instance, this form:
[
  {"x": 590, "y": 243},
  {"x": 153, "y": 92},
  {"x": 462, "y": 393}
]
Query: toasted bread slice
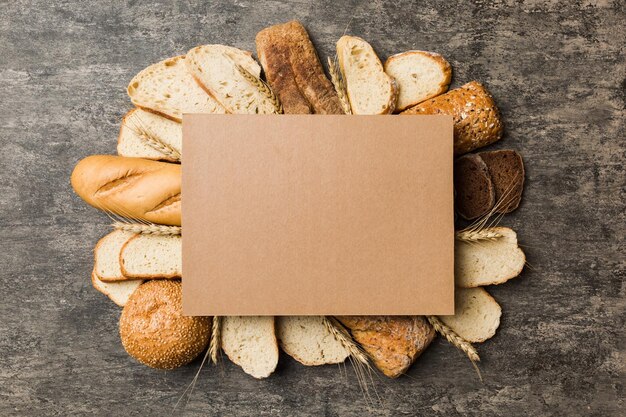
[
  {"x": 420, "y": 75},
  {"x": 370, "y": 90},
  {"x": 251, "y": 343},
  {"x": 118, "y": 291},
  {"x": 308, "y": 340},
  {"x": 168, "y": 89},
  {"x": 141, "y": 128},
  {"x": 152, "y": 256},
  {"x": 488, "y": 262},
  {"x": 107, "y": 256},
  {"x": 477, "y": 315},
  {"x": 215, "y": 68}
]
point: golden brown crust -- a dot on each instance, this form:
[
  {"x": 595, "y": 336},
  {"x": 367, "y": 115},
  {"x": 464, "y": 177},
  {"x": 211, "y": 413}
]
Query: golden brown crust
[
  {"x": 477, "y": 121},
  {"x": 393, "y": 342},
  {"x": 154, "y": 331},
  {"x": 134, "y": 188}
]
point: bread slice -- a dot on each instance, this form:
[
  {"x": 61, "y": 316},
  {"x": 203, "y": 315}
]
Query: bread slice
[
  {"x": 308, "y": 340},
  {"x": 477, "y": 315},
  {"x": 118, "y": 291},
  {"x": 141, "y": 127},
  {"x": 168, "y": 89},
  {"x": 475, "y": 194},
  {"x": 250, "y": 342},
  {"x": 107, "y": 256},
  {"x": 420, "y": 75},
  {"x": 215, "y": 68},
  {"x": 152, "y": 256},
  {"x": 370, "y": 90},
  {"x": 506, "y": 169},
  {"x": 488, "y": 262}
]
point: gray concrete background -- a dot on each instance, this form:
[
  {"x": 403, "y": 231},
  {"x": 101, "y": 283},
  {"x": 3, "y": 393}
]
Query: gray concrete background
[{"x": 557, "y": 71}]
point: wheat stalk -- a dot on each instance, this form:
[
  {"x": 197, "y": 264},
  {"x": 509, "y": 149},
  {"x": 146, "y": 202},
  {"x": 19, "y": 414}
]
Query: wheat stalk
[
  {"x": 148, "y": 229},
  {"x": 457, "y": 341},
  {"x": 341, "y": 334},
  {"x": 153, "y": 140},
  {"x": 470, "y": 235},
  {"x": 216, "y": 339},
  {"x": 340, "y": 87},
  {"x": 263, "y": 87}
]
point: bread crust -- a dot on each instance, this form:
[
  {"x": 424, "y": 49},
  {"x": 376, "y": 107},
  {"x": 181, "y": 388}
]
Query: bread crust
[
  {"x": 477, "y": 120},
  {"x": 128, "y": 275}
]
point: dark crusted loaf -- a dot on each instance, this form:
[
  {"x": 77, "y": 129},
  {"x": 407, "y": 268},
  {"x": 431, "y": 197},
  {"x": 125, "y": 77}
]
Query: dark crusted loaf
[
  {"x": 475, "y": 193},
  {"x": 506, "y": 169}
]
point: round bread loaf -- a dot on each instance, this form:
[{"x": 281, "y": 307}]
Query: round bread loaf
[{"x": 154, "y": 331}]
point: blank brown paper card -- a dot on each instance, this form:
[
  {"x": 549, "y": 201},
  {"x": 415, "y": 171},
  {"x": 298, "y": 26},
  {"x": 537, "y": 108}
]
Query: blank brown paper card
[{"x": 323, "y": 215}]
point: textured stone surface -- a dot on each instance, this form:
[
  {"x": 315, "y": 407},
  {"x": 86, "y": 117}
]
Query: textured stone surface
[{"x": 556, "y": 69}]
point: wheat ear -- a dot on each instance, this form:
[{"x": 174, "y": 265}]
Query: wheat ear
[
  {"x": 263, "y": 87},
  {"x": 340, "y": 87},
  {"x": 153, "y": 140},
  {"x": 469, "y": 235},
  {"x": 457, "y": 341},
  {"x": 216, "y": 339},
  {"x": 148, "y": 229}
]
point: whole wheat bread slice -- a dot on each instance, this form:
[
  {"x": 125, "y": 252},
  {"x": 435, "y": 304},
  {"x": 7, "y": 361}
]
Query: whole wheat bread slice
[
  {"x": 475, "y": 194},
  {"x": 370, "y": 90},
  {"x": 147, "y": 135},
  {"x": 168, "y": 89},
  {"x": 308, "y": 340},
  {"x": 152, "y": 256},
  {"x": 506, "y": 169},
  {"x": 118, "y": 291},
  {"x": 250, "y": 342},
  {"x": 477, "y": 315},
  {"x": 420, "y": 75},
  {"x": 488, "y": 262},
  {"x": 107, "y": 256},
  {"x": 215, "y": 68}
]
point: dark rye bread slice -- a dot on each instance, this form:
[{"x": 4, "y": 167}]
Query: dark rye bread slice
[
  {"x": 506, "y": 169},
  {"x": 475, "y": 193},
  {"x": 293, "y": 70}
]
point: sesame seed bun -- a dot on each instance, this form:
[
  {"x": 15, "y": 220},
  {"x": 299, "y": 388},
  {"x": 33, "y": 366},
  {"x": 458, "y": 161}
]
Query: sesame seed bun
[{"x": 154, "y": 331}]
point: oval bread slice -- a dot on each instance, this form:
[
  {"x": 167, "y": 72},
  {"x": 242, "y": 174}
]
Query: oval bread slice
[
  {"x": 477, "y": 315},
  {"x": 308, "y": 340},
  {"x": 119, "y": 292},
  {"x": 107, "y": 255},
  {"x": 250, "y": 342},
  {"x": 140, "y": 127},
  {"x": 152, "y": 256},
  {"x": 168, "y": 89},
  {"x": 370, "y": 90},
  {"x": 420, "y": 75},
  {"x": 488, "y": 262}
]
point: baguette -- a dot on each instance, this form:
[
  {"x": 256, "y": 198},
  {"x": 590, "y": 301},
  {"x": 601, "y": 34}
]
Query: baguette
[
  {"x": 477, "y": 121},
  {"x": 152, "y": 256},
  {"x": 147, "y": 135},
  {"x": 134, "y": 188}
]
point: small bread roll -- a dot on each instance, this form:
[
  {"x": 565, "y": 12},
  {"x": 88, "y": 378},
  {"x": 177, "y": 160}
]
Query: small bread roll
[{"x": 154, "y": 331}]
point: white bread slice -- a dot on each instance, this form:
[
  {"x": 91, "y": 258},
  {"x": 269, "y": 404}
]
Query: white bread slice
[
  {"x": 370, "y": 90},
  {"x": 420, "y": 75},
  {"x": 107, "y": 255},
  {"x": 139, "y": 122},
  {"x": 152, "y": 256},
  {"x": 488, "y": 262},
  {"x": 168, "y": 89},
  {"x": 477, "y": 315},
  {"x": 214, "y": 67},
  {"x": 250, "y": 342},
  {"x": 308, "y": 340},
  {"x": 118, "y": 291}
]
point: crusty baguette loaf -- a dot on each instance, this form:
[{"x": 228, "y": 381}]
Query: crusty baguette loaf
[
  {"x": 168, "y": 89},
  {"x": 370, "y": 90},
  {"x": 107, "y": 256},
  {"x": 134, "y": 188},
  {"x": 251, "y": 343},
  {"x": 476, "y": 315},
  {"x": 488, "y": 262},
  {"x": 152, "y": 256},
  {"x": 420, "y": 75},
  {"x": 215, "y": 68},
  {"x": 308, "y": 340},
  {"x": 477, "y": 121},
  {"x": 474, "y": 191},
  {"x": 393, "y": 342},
  {"x": 294, "y": 71},
  {"x": 119, "y": 291},
  {"x": 147, "y": 135}
]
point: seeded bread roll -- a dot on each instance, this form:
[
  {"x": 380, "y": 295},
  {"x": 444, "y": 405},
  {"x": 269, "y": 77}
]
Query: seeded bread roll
[
  {"x": 130, "y": 187},
  {"x": 474, "y": 191},
  {"x": 506, "y": 169},
  {"x": 477, "y": 120},
  {"x": 154, "y": 330}
]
